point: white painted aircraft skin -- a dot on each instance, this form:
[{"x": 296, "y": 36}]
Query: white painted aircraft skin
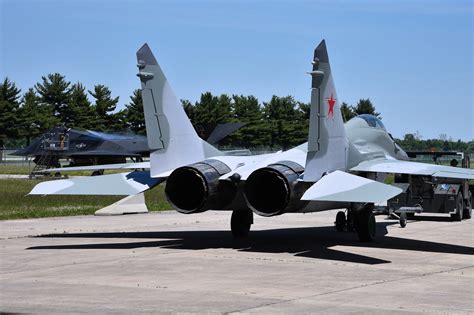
[{"x": 131, "y": 183}]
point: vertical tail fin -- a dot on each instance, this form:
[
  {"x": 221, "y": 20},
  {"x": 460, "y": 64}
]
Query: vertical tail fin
[
  {"x": 327, "y": 142},
  {"x": 171, "y": 136}
]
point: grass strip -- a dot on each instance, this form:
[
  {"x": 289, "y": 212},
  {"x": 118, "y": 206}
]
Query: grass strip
[{"x": 15, "y": 204}]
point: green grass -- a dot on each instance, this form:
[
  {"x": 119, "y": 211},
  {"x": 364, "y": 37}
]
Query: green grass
[
  {"x": 14, "y": 169},
  {"x": 14, "y": 204},
  {"x": 389, "y": 179},
  {"x": 155, "y": 199}
]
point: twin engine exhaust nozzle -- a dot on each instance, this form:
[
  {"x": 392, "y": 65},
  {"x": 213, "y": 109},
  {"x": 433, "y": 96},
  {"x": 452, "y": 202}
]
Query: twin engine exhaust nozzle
[
  {"x": 196, "y": 188},
  {"x": 268, "y": 191},
  {"x": 274, "y": 190}
]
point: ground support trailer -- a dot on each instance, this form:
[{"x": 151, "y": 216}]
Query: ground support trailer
[{"x": 426, "y": 194}]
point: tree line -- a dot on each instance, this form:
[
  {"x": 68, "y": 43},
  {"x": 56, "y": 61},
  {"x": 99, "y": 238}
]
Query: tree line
[
  {"x": 54, "y": 101},
  {"x": 280, "y": 123}
]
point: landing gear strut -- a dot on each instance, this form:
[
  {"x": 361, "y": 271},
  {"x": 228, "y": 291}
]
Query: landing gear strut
[{"x": 240, "y": 222}]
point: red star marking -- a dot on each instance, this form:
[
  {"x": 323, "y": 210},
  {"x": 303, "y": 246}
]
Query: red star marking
[{"x": 331, "y": 103}]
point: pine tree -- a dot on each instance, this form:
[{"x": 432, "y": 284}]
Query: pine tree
[
  {"x": 134, "y": 116},
  {"x": 210, "y": 111},
  {"x": 79, "y": 113},
  {"x": 304, "y": 109},
  {"x": 247, "y": 110},
  {"x": 55, "y": 91},
  {"x": 104, "y": 106},
  {"x": 365, "y": 106},
  {"x": 285, "y": 128},
  {"x": 301, "y": 123},
  {"x": 189, "y": 109},
  {"x": 34, "y": 118},
  {"x": 9, "y": 92},
  {"x": 347, "y": 111},
  {"x": 9, "y": 105}
]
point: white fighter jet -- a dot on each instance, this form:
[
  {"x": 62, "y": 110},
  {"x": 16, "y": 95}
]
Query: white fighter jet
[{"x": 341, "y": 165}]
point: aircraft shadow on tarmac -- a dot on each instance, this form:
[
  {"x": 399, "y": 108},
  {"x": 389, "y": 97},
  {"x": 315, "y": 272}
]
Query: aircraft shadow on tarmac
[{"x": 310, "y": 242}]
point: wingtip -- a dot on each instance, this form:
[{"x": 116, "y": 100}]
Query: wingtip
[
  {"x": 321, "y": 52},
  {"x": 144, "y": 54}
]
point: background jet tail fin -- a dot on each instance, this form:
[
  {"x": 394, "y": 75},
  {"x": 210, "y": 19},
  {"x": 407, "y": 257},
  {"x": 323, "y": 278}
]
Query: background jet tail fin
[
  {"x": 171, "y": 136},
  {"x": 327, "y": 141}
]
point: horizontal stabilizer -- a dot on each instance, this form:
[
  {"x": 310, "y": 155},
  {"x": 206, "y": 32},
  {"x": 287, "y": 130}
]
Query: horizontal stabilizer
[
  {"x": 345, "y": 187},
  {"x": 114, "y": 184},
  {"x": 413, "y": 168},
  {"x": 118, "y": 166}
]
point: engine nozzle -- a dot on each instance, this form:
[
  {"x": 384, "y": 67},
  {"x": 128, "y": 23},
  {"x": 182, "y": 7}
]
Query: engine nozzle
[
  {"x": 196, "y": 188},
  {"x": 271, "y": 190}
]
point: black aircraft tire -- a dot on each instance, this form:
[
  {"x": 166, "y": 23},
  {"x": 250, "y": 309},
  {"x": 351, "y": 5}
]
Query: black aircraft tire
[
  {"x": 366, "y": 226},
  {"x": 403, "y": 219},
  {"x": 340, "y": 221},
  {"x": 468, "y": 208},
  {"x": 240, "y": 223},
  {"x": 350, "y": 221},
  {"x": 459, "y": 208}
]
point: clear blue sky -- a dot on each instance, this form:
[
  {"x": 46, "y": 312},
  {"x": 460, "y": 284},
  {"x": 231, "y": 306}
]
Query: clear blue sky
[{"x": 413, "y": 59}]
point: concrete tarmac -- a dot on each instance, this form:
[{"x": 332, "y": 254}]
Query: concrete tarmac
[{"x": 169, "y": 262}]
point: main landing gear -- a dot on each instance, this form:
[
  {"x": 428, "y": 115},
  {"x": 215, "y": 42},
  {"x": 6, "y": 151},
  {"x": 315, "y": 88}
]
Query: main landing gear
[
  {"x": 240, "y": 222},
  {"x": 361, "y": 219}
]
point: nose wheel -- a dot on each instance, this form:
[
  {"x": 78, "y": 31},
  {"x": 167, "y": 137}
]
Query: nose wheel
[{"x": 240, "y": 222}]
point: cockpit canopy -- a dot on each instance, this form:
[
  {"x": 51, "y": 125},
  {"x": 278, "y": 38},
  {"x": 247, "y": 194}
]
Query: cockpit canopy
[{"x": 372, "y": 121}]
